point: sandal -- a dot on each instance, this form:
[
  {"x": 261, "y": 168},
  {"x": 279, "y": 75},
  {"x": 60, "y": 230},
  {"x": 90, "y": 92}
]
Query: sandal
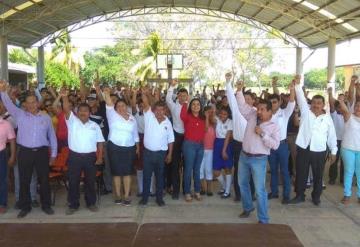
[
  {"x": 198, "y": 196},
  {"x": 188, "y": 198}
]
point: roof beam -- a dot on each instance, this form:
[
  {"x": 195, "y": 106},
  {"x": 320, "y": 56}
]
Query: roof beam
[
  {"x": 98, "y": 7},
  {"x": 285, "y": 11},
  {"x": 222, "y": 5},
  {"x": 308, "y": 14},
  {"x": 237, "y": 11},
  {"x": 334, "y": 24},
  {"x": 209, "y": 4}
]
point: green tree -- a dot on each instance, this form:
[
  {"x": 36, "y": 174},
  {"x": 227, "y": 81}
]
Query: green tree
[
  {"x": 57, "y": 75},
  {"x": 18, "y": 55},
  {"x": 317, "y": 78}
]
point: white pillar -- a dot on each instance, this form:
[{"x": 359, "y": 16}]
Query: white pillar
[
  {"x": 4, "y": 72},
  {"x": 41, "y": 67},
  {"x": 299, "y": 64},
  {"x": 331, "y": 63}
]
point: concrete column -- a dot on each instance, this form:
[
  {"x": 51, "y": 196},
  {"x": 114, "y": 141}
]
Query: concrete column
[
  {"x": 4, "y": 72},
  {"x": 331, "y": 63},
  {"x": 299, "y": 64},
  {"x": 41, "y": 67}
]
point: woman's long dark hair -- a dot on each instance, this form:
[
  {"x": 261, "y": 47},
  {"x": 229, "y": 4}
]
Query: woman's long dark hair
[
  {"x": 119, "y": 101},
  {"x": 201, "y": 112}
]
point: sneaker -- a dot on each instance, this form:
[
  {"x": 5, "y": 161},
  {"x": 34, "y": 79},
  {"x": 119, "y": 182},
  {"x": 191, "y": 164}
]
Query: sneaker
[
  {"x": 70, "y": 211},
  {"x": 142, "y": 202},
  {"x": 225, "y": 196},
  {"x": 48, "y": 211},
  {"x": 126, "y": 202},
  {"x": 346, "y": 200},
  {"x": 246, "y": 214},
  {"x": 118, "y": 202},
  {"x": 93, "y": 208},
  {"x": 35, "y": 204},
  {"x": 23, "y": 213},
  {"x": 2, "y": 210}
]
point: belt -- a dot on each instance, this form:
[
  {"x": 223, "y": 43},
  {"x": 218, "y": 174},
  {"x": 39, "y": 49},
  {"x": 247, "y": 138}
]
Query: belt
[
  {"x": 82, "y": 154},
  {"x": 283, "y": 141},
  {"x": 253, "y": 155},
  {"x": 36, "y": 149}
]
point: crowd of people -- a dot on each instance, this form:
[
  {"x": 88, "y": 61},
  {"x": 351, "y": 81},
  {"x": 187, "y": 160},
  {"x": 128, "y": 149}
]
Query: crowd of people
[{"x": 172, "y": 141}]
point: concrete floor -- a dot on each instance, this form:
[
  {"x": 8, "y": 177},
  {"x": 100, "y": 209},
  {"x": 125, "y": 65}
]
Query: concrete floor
[{"x": 330, "y": 224}]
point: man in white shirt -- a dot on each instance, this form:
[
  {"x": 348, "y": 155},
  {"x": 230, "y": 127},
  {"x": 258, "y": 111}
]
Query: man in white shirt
[
  {"x": 339, "y": 123},
  {"x": 178, "y": 125},
  {"x": 158, "y": 143},
  {"x": 280, "y": 156},
  {"x": 316, "y": 133},
  {"x": 86, "y": 151},
  {"x": 239, "y": 125}
]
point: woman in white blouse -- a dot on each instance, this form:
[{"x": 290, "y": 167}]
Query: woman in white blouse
[
  {"x": 350, "y": 149},
  {"x": 123, "y": 146}
]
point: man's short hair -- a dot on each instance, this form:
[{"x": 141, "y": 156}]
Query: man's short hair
[
  {"x": 182, "y": 90},
  {"x": 267, "y": 103},
  {"x": 160, "y": 104},
  {"x": 274, "y": 96},
  {"x": 318, "y": 96},
  {"x": 249, "y": 93},
  {"x": 84, "y": 105}
]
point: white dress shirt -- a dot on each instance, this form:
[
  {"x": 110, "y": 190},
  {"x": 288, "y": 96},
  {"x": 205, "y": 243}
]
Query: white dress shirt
[
  {"x": 351, "y": 137},
  {"x": 83, "y": 138},
  {"x": 157, "y": 135},
  {"x": 123, "y": 133},
  {"x": 316, "y": 131},
  {"x": 222, "y": 128},
  {"x": 281, "y": 118},
  {"x": 339, "y": 124},
  {"x": 239, "y": 122},
  {"x": 175, "y": 109}
]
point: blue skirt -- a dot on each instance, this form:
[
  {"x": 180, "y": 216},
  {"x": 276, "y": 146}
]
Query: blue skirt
[{"x": 218, "y": 161}]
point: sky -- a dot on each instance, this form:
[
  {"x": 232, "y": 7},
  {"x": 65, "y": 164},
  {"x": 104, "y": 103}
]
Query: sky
[{"x": 99, "y": 35}]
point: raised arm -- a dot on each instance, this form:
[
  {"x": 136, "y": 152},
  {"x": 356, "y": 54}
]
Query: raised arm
[
  {"x": 133, "y": 101},
  {"x": 9, "y": 105},
  {"x": 352, "y": 92},
  {"x": 246, "y": 110},
  {"x": 274, "y": 85},
  {"x": 331, "y": 100},
  {"x": 107, "y": 97},
  {"x": 66, "y": 104},
  {"x": 169, "y": 101},
  {"x": 345, "y": 110},
  {"x": 289, "y": 109},
  {"x": 145, "y": 98},
  {"x": 300, "y": 97}
]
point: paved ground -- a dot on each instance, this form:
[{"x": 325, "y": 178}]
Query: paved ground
[{"x": 330, "y": 224}]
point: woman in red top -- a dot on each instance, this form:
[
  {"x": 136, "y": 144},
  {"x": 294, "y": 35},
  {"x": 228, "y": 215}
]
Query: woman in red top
[{"x": 193, "y": 148}]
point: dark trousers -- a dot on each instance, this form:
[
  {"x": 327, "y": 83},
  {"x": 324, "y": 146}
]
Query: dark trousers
[
  {"x": 304, "y": 159},
  {"x": 3, "y": 179},
  {"x": 333, "y": 170},
  {"x": 28, "y": 159},
  {"x": 237, "y": 147},
  {"x": 153, "y": 162},
  {"x": 176, "y": 160},
  {"x": 79, "y": 163}
]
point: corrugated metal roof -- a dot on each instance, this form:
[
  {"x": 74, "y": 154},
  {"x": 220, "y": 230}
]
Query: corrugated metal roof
[{"x": 312, "y": 22}]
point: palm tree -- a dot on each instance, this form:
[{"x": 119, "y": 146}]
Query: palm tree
[
  {"x": 147, "y": 67},
  {"x": 66, "y": 53}
]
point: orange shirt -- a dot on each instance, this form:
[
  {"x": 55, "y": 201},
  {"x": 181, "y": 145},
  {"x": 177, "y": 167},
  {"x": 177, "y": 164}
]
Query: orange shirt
[{"x": 209, "y": 139}]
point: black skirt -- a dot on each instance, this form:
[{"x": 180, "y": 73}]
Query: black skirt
[{"x": 121, "y": 159}]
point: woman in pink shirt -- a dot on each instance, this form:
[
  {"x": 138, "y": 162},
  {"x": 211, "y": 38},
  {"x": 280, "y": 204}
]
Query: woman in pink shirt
[{"x": 206, "y": 171}]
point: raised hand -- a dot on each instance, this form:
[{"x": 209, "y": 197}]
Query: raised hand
[
  {"x": 239, "y": 85},
  {"x": 64, "y": 92},
  {"x": 228, "y": 76},
  {"x": 3, "y": 85},
  {"x": 297, "y": 79},
  {"x": 274, "y": 80},
  {"x": 174, "y": 82}
]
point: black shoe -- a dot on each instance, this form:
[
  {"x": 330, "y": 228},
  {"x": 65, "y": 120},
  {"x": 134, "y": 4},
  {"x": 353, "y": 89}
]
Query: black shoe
[
  {"x": 142, "y": 202},
  {"x": 70, "y": 211},
  {"x": 296, "y": 200},
  {"x": 209, "y": 194},
  {"x": 221, "y": 192},
  {"x": 272, "y": 196},
  {"x": 160, "y": 203},
  {"x": 23, "y": 213},
  {"x": 118, "y": 202},
  {"x": 35, "y": 204},
  {"x": 285, "y": 201},
  {"x": 175, "y": 196},
  {"x": 226, "y": 195},
  {"x": 331, "y": 182},
  {"x": 202, "y": 192},
  {"x": 48, "y": 211},
  {"x": 316, "y": 202},
  {"x": 126, "y": 203},
  {"x": 152, "y": 194},
  {"x": 246, "y": 214}
]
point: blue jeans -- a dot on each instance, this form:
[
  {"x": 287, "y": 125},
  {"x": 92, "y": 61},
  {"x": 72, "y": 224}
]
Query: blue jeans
[
  {"x": 351, "y": 164},
  {"x": 154, "y": 162},
  {"x": 280, "y": 157},
  {"x": 255, "y": 166},
  {"x": 3, "y": 179},
  {"x": 193, "y": 154}
]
